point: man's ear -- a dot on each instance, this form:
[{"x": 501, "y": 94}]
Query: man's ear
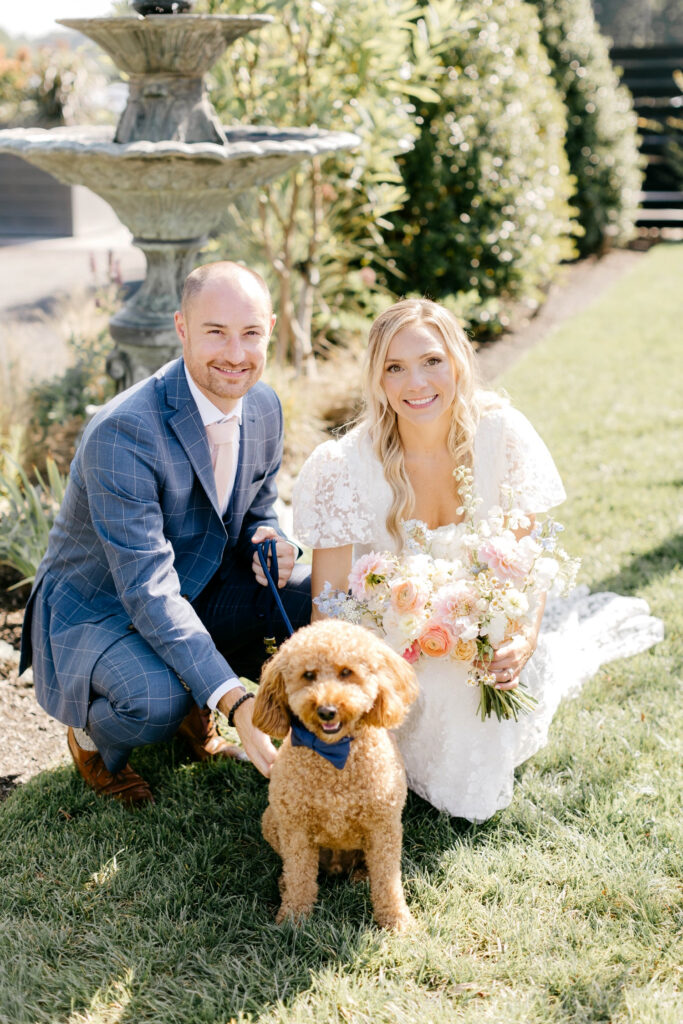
[{"x": 179, "y": 321}]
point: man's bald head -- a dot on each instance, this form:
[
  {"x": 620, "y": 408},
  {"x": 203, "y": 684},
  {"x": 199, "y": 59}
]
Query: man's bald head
[{"x": 225, "y": 270}]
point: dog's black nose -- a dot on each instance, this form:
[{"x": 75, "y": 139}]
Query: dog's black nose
[{"x": 327, "y": 712}]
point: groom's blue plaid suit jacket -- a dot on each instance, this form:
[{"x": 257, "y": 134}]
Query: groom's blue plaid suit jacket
[{"x": 139, "y": 535}]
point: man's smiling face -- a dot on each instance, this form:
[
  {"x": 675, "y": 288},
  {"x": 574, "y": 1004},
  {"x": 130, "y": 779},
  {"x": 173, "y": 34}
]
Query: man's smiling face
[{"x": 225, "y": 330}]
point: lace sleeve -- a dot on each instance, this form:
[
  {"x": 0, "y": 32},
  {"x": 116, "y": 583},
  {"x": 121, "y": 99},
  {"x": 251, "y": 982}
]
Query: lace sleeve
[
  {"x": 328, "y": 506},
  {"x": 527, "y": 465}
]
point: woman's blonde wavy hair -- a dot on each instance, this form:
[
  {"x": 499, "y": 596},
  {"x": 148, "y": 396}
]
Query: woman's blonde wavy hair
[{"x": 380, "y": 419}]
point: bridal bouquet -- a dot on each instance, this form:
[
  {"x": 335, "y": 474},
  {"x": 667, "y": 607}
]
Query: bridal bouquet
[{"x": 458, "y": 592}]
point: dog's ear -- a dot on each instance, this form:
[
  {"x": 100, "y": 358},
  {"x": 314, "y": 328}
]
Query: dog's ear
[
  {"x": 398, "y": 689},
  {"x": 271, "y": 714}
]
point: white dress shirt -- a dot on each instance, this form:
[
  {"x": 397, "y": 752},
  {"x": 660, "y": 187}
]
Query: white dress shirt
[{"x": 210, "y": 413}]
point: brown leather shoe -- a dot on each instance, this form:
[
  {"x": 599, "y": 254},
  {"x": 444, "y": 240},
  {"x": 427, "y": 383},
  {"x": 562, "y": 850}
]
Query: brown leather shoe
[
  {"x": 126, "y": 785},
  {"x": 199, "y": 729}
]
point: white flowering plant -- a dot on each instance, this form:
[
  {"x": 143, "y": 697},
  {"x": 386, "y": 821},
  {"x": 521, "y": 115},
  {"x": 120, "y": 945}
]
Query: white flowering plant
[{"x": 459, "y": 592}]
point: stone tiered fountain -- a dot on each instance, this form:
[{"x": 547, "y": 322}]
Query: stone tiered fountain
[{"x": 170, "y": 168}]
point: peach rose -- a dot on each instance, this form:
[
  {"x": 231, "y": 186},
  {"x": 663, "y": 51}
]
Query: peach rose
[
  {"x": 407, "y": 596},
  {"x": 436, "y": 640},
  {"x": 465, "y": 650},
  {"x": 513, "y": 627}
]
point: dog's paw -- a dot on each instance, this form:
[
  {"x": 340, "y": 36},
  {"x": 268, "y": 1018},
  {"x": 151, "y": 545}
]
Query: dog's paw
[
  {"x": 293, "y": 915},
  {"x": 360, "y": 873},
  {"x": 400, "y": 921}
]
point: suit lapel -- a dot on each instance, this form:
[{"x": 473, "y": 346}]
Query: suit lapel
[
  {"x": 186, "y": 423},
  {"x": 245, "y": 465}
]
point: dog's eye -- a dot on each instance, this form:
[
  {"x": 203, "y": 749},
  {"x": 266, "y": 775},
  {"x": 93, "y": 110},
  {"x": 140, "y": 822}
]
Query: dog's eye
[
  {"x": 344, "y": 672},
  {"x": 309, "y": 674}
]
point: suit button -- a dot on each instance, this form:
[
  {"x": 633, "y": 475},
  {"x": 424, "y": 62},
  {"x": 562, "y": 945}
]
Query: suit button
[{"x": 131, "y": 628}]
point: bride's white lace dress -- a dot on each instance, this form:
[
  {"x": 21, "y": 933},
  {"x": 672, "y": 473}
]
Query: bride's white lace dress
[{"x": 454, "y": 760}]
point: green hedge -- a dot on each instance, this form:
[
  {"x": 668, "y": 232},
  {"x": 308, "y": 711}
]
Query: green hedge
[
  {"x": 602, "y": 144},
  {"x": 488, "y": 179}
]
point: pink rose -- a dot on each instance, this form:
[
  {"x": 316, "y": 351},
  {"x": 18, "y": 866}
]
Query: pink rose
[
  {"x": 368, "y": 571},
  {"x": 457, "y": 599},
  {"x": 412, "y": 653},
  {"x": 436, "y": 640},
  {"x": 505, "y": 558},
  {"x": 407, "y": 596}
]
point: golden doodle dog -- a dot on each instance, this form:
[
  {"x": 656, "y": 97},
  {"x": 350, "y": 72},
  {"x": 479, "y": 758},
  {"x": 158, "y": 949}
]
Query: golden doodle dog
[{"x": 338, "y": 783}]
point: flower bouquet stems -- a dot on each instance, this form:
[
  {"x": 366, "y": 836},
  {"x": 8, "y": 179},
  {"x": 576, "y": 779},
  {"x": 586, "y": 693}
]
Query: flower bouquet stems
[{"x": 504, "y": 704}]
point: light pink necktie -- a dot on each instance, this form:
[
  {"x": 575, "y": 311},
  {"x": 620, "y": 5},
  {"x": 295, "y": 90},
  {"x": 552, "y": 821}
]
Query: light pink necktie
[{"x": 223, "y": 438}]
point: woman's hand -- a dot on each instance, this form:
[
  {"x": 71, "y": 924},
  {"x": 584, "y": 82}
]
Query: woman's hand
[{"x": 509, "y": 660}]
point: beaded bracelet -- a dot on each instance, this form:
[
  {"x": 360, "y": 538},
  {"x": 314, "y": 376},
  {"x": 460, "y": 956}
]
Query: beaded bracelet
[{"x": 233, "y": 709}]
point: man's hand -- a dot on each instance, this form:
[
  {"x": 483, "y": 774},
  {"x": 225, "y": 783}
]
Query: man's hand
[
  {"x": 286, "y": 556},
  {"x": 257, "y": 746}
]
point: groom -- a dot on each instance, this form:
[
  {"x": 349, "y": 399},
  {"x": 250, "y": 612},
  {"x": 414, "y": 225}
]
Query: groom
[{"x": 150, "y": 601}]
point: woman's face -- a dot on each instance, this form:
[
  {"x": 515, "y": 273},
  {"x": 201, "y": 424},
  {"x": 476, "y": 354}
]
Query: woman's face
[{"x": 418, "y": 376}]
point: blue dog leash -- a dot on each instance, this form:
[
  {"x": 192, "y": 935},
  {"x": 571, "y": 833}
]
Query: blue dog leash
[{"x": 268, "y": 548}]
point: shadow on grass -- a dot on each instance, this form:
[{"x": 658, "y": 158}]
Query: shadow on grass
[
  {"x": 7, "y": 785},
  {"x": 644, "y": 569},
  {"x": 168, "y": 911}
]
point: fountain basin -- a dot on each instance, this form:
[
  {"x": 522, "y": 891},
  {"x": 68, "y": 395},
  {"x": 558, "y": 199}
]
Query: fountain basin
[
  {"x": 158, "y": 43},
  {"x": 170, "y": 190}
]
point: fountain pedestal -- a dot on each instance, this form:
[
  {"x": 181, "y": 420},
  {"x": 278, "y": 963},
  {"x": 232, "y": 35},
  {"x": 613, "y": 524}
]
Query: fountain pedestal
[
  {"x": 144, "y": 327},
  {"x": 170, "y": 168}
]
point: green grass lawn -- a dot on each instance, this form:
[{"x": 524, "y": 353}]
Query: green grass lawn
[{"x": 564, "y": 907}]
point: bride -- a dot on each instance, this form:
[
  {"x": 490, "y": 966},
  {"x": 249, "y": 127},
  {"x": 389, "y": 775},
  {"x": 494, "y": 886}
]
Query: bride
[{"x": 424, "y": 416}]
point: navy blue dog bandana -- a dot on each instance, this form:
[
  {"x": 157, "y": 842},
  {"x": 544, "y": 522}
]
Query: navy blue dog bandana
[{"x": 336, "y": 753}]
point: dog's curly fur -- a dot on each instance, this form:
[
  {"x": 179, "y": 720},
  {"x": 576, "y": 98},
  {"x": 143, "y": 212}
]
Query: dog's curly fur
[{"x": 339, "y": 680}]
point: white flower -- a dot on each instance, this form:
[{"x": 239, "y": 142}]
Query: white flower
[
  {"x": 496, "y": 627},
  {"x": 545, "y": 571},
  {"x": 446, "y": 542},
  {"x": 515, "y": 604},
  {"x": 496, "y": 518},
  {"x": 401, "y": 630},
  {"x": 530, "y": 548},
  {"x": 470, "y": 541},
  {"x": 518, "y": 520},
  {"x": 441, "y": 574},
  {"x": 470, "y": 630},
  {"x": 418, "y": 567}
]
